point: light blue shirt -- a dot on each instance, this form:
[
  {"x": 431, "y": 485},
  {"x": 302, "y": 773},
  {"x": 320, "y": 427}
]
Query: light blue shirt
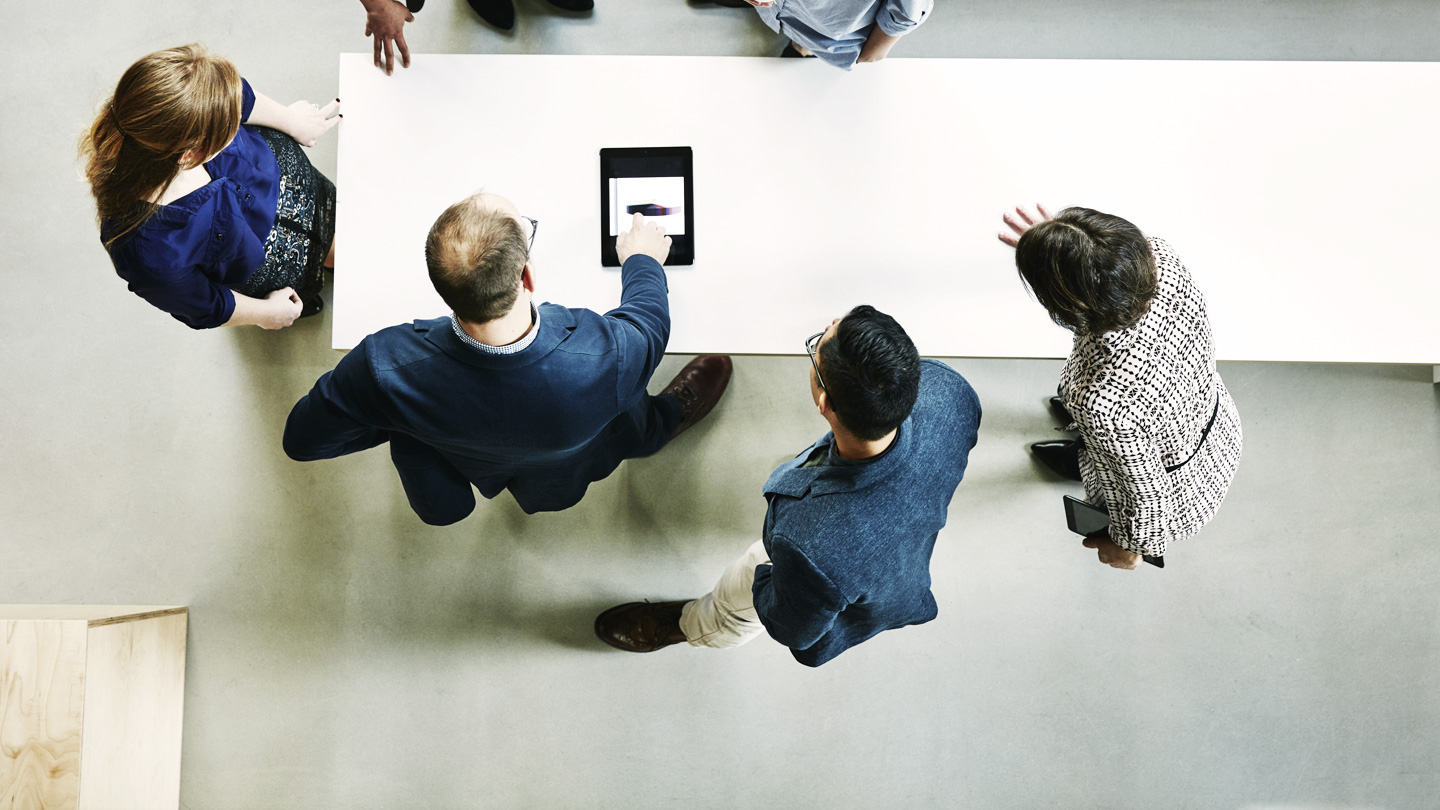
[{"x": 835, "y": 30}]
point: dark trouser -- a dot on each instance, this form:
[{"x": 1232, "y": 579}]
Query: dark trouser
[{"x": 442, "y": 495}]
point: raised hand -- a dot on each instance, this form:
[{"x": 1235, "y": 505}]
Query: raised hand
[{"x": 1021, "y": 221}]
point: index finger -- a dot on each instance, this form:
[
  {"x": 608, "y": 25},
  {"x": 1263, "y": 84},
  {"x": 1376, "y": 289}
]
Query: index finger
[
  {"x": 389, "y": 58},
  {"x": 636, "y": 221},
  {"x": 377, "y": 47},
  {"x": 329, "y": 109},
  {"x": 1044, "y": 212}
]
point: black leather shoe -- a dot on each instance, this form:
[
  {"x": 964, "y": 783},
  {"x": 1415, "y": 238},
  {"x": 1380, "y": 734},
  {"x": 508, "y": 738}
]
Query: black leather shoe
[
  {"x": 1062, "y": 457},
  {"x": 499, "y": 13},
  {"x": 1057, "y": 407},
  {"x": 574, "y": 5},
  {"x": 698, "y": 386},
  {"x": 641, "y": 626},
  {"x": 313, "y": 305}
]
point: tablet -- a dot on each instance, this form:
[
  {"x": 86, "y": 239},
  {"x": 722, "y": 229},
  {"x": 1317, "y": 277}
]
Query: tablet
[
  {"x": 1089, "y": 521},
  {"x": 656, "y": 182}
]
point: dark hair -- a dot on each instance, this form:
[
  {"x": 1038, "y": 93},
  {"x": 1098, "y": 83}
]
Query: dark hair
[
  {"x": 476, "y": 256},
  {"x": 871, "y": 372},
  {"x": 1094, "y": 272}
]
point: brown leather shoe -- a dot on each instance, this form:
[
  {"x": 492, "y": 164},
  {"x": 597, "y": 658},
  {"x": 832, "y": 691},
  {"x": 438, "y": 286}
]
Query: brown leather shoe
[
  {"x": 698, "y": 386},
  {"x": 641, "y": 626}
]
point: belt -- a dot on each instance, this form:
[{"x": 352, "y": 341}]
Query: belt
[{"x": 1204, "y": 433}]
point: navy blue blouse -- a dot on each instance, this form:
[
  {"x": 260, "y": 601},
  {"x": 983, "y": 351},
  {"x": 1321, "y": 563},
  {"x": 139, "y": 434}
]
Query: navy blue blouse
[{"x": 184, "y": 258}]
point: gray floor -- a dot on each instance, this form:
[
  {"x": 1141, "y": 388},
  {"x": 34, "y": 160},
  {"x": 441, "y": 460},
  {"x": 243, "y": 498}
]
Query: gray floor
[{"x": 344, "y": 655}]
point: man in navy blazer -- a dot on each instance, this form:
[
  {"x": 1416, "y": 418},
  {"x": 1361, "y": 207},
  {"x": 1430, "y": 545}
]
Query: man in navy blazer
[
  {"x": 852, "y": 520},
  {"x": 503, "y": 394}
]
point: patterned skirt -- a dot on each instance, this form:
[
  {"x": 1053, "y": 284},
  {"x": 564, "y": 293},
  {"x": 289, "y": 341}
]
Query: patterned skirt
[{"x": 304, "y": 228}]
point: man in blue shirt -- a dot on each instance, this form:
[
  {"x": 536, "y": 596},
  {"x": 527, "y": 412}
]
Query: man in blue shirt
[
  {"x": 852, "y": 520},
  {"x": 502, "y": 394}
]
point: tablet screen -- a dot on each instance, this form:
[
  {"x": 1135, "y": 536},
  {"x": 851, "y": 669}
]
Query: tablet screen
[{"x": 659, "y": 198}]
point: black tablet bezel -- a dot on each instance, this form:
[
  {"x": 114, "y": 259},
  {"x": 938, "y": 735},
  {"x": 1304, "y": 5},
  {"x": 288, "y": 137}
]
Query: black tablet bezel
[{"x": 682, "y": 248}]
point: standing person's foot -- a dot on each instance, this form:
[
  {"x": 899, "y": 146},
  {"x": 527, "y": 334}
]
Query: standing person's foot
[
  {"x": 699, "y": 386},
  {"x": 1057, "y": 407},
  {"x": 641, "y": 626},
  {"x": 574, "y": 5},
  {"x": 1062, "y": 456},
  {"x": 499, "y": 13}
]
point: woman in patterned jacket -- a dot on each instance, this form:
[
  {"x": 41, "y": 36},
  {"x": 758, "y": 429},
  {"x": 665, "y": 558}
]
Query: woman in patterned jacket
[{"x": 1160, "y": 436}]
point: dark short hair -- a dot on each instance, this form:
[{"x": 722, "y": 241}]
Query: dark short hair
[
  {"x": 1093, "y": 272},
  {"x": 871, "y": 372},
  {"x": 476, "y": 256}
]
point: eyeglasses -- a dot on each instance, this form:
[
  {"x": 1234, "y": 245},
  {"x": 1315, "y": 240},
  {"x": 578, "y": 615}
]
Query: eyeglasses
[
  {"x": 534, "y": 226},
  {"x": 812, "y": 345}
]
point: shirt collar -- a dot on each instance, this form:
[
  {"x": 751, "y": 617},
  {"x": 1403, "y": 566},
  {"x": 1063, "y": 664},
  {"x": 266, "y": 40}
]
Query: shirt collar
[{"x": 513, "y": 348}]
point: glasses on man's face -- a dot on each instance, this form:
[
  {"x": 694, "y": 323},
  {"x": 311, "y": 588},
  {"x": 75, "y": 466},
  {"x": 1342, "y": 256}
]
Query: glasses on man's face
[
  {"x": 812, "y": 346},
  {"x": 534, "y": 226}
]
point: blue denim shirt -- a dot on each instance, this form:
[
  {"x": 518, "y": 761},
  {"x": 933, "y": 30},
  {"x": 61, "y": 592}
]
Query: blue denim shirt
[
  {"x": 850, "y": 543},
  {"x": 184, "y": 258},
  {"x": 835, "y": 30}
]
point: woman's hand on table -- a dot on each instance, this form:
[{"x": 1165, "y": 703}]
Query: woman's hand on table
[
  {"x": 1021, "y": 221},
  {"x": 307, "y": 122}
]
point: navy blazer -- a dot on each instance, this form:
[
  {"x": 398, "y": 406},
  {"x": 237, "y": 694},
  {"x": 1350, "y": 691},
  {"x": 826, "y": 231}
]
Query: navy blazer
[
  {"x": 544, "y": 422},
  {"x": 850, "y": 542}
]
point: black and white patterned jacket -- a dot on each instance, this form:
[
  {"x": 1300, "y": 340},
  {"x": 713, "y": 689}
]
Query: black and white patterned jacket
[{"x": 1142, "y": 398}]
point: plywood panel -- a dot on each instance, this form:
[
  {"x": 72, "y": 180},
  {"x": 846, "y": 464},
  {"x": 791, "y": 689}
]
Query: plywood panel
[
  {"x": 94, "y": 614},
  {"x": 42, "y": 691},
  {"x": 133, "y": 715}
]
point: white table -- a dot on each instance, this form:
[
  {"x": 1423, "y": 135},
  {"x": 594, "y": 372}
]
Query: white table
[{"x": 1302, "y": 195}]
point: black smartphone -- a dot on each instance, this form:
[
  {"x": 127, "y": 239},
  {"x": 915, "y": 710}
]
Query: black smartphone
[{"x": 1088, "y": 520}]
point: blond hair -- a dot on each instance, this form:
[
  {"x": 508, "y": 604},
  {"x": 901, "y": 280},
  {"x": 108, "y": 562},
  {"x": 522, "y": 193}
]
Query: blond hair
[
  {"x": 167, "y": 103},
  {"x": 476, "y": 255}
]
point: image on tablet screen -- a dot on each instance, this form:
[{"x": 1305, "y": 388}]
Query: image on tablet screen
[{"x": 659, "y": 198}]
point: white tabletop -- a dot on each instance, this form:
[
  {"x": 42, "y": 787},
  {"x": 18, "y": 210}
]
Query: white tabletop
[{"x": 1299, "y": 194}]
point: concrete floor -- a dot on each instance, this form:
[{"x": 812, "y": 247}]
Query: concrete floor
[{"x": 344, "y": 655}]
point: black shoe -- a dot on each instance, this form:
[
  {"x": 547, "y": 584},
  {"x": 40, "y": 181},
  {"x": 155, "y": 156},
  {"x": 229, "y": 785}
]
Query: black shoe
[
  {"x": 414, "y": 5},
  {"x": 312, "y": 305},
  {"x": 499, "y": 13},
  {"x": 1062, "y": 457},
  {"x": 1057, "y": 407},
  {"x": 574, "y": 5}
]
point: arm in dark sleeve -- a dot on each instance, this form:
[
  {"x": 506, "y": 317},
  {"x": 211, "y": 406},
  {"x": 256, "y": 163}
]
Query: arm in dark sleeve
[
  {"x": 795, "y": 601},
  {"x": 247, "y": 100},
  {"x": 164, "y": 275},
  {"x": 641, "y": 324},
  {"x": 340, "y": 415}
]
